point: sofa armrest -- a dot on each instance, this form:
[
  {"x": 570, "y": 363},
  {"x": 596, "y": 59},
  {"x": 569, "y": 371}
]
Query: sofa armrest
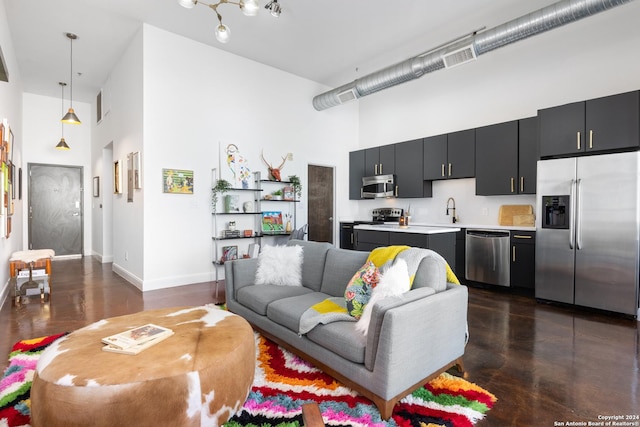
[
  {"x": 239, "y": 273},
  {"x": 421, "y": 336}
]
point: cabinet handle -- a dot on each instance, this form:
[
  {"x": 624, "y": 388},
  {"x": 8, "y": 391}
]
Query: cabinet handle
[
  {"x": 512, "y": 189},
  {"x": 352, "y": 238},
  {"x": 449, "y": 169},
  {"x": 375, "y": 169},
  {"x": 396, "y": 191},
  {"x": 513, "y": 253},
  {"x": 590, "y": 138},
  {"x": 380, "y": 168},
  {"x": 578, "y": 140},
  {"x": 520, "y": 236},
  {"x": 522, "y": 184},
  {"x": 443, "y": 169}
]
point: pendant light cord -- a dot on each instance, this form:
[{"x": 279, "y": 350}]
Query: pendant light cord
[{"x": 71, "y": 77}]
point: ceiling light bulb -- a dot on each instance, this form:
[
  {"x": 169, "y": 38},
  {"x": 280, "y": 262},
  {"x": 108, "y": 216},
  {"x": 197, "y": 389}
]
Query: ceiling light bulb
[
  {"x": 249, "y": 7},
  {"x": 223, "y": 33},
  {"x": 274, "y": 8},
  {"x": 187, "y": 3}
]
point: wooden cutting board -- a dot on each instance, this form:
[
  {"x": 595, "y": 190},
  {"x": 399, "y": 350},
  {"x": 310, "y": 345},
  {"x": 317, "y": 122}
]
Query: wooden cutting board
[{"x": 507, "y": 213}]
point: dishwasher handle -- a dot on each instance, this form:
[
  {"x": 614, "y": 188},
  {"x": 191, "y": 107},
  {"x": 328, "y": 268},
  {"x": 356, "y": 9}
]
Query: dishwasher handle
[{"x": 488, "y": 233}]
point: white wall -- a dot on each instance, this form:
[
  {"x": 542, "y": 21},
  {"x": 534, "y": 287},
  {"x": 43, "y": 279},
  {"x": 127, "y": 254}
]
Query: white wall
[
  {"x": 118, "y": 134},
  {"x": 11, "y": 109},
  {"x": 196, "y": 100},
  {"x": 572, "y": 63}
]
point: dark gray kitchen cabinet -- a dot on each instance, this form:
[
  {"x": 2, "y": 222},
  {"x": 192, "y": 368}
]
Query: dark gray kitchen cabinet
[
  {"x": 597, "y": 125},
  {"x": 497, "y": 159},
  {"x": 356, "y": 172},
  {"x": 506, "y": 155},
  {"x": 368, "y": 240},
  {"x": 435, "y": 157},
  {"x": 523, "y": 259},
  {"x": 379, "y": 160},
  {"x": 450, "y": 156},
  {"x": 527, "y": 155},
  {"x": 442, "y": 243},
  {"x": 408, "y": 170}
]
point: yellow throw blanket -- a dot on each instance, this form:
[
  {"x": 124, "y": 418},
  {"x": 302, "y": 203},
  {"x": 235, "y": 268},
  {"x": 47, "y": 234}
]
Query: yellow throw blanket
[{"x": 380, "y": 256}]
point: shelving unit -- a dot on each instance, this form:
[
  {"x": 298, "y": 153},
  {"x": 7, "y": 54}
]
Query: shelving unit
[{"x": 257, "y": 196}]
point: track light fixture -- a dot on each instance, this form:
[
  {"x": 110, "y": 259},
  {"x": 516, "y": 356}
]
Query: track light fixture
[
  {"x": 71, "y": 117},
  {"x": 248, "y": 7},
  {"x": 62, "y": 145},
  {"x": 274, "y": 8}
]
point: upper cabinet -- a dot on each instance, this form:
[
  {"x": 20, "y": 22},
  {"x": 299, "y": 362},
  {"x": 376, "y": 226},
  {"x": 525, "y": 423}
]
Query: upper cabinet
[
  {"x": 506, "y": 156},
  {"x": 602, "y": 124},
  {"x": 356, "y": 172},
  {"x": 450, "y": 156},
  {"x": 409, "y": 181},
  {"x": 379, "y": 160}
]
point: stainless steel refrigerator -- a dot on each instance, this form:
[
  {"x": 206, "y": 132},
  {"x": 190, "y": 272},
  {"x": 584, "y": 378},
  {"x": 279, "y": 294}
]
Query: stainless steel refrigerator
[{"x": 587, "y": 231}]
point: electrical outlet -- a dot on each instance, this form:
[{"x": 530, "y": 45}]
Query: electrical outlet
[
  {"x": 485, "y": 211},
  {"x": 290, "y": 157}
]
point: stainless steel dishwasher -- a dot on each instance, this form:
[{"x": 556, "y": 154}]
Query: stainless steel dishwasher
[{"x": 487, "y": 256}]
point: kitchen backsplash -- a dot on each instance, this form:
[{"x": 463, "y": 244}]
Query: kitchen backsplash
[{"x": 470, "y": 209}]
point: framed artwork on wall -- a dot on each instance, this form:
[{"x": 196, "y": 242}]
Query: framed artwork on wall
[
  {"x": 177, "y": 181},
  {"x": 137, "y": 179},
  {"x": 96, "y": 186},
  {"x": 117, "y": 177}
]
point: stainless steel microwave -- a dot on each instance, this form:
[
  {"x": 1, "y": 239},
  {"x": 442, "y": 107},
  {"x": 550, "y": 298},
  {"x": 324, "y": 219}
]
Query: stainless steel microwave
[{"x": 377, "y": 186}]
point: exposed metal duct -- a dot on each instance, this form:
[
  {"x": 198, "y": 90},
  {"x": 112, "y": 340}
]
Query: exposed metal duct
[{"x": 467, "y": 49}]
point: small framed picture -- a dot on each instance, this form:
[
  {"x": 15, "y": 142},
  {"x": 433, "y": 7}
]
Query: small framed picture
[
  {"x": 96, "y": 186},
  {"x": 177, "y": 181},
  {"x": 117, "y": 177},
  {"x": 229, "y": 253}
]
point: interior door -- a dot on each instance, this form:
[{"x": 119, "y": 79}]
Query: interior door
[
  {"x": 55, "y": 209},
  {"x": 321, "y": 197}
]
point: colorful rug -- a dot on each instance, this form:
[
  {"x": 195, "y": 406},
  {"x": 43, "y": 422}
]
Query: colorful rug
[{"x": 283, "y": 383}]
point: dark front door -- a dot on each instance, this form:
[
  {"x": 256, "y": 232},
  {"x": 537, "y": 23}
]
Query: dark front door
[
  {"x": 320, "y": 203},
  {"x": 55, "y": 208}
]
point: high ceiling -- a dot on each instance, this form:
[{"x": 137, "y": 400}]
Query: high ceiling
[{"x": 330, "y": 41}]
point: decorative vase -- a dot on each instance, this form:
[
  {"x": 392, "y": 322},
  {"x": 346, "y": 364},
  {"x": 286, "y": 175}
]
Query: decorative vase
[{"x": 288, "y": 227}]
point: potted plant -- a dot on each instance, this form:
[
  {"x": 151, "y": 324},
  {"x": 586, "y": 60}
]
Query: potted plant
[
  {"x": 277, "y": 195},
  {"x": 297, "y": 186},
  {"x": 221, "y": 187}
]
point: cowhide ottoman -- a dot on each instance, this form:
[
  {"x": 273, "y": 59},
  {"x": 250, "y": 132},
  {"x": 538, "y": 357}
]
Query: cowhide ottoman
[{"x": 200, "y": 376}]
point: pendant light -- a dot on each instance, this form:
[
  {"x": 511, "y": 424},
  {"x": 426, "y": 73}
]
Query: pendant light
[
  {"x": 71, "y": 117},
  {"x": 62, "y": 145}
]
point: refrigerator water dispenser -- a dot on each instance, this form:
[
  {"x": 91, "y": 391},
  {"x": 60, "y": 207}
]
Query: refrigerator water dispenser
[{"x": 555, "y": 212}]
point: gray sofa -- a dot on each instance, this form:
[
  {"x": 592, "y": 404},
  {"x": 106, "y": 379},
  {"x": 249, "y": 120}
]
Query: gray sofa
[{"x": 412, "y": 338}]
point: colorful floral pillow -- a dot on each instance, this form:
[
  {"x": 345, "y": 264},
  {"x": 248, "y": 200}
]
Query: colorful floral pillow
[{"x": 358, "y": 290}]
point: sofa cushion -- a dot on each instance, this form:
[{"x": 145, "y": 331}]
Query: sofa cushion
[
  {"x": 341, "y": 338},
  {"x": 339, "y": 268},
  {"x": 258, "y": 297},
  {"x": 280, "y": 265},
  {"x": 432, "y": 272},
  {"x": 314, "y": 255},
  {"x": 287, "y": 311},
  {"x": 358, "y": 290}
]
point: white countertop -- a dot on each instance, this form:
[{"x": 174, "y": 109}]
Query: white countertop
[
  {"x": 432, "y": 228},
  {"x": 416, "y": 229}
]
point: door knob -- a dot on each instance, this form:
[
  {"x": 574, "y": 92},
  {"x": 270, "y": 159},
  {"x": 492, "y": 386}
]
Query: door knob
[{"x": 330, "y": 218}]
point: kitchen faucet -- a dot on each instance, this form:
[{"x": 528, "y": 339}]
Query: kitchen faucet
[{"x": 451, "y": 199}]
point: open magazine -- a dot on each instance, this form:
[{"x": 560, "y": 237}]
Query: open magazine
[{"x": 137, "y": 339}]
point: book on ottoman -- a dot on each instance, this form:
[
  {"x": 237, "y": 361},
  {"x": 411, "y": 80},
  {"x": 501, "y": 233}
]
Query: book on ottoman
[{"x": 135, "y": 340}]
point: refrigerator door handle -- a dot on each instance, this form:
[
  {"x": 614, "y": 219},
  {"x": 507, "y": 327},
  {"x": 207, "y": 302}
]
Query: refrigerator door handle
[
  {"x": 577, "y": 216},
  {"x": 572, "y": 216}
]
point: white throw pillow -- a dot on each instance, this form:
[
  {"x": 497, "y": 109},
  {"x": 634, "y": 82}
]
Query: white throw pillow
[
  {"x": 393, "y": 281},
  {"x": 280, "y": 265}
]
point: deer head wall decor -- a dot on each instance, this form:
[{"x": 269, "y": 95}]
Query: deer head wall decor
[{"x": 274, "y": 173}]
